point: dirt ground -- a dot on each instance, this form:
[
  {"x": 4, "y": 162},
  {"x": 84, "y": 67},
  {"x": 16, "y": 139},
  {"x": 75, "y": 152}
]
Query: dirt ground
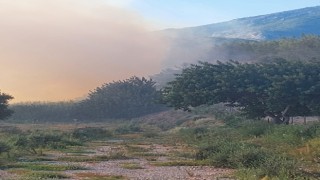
[{"x": 145, "y": 167}]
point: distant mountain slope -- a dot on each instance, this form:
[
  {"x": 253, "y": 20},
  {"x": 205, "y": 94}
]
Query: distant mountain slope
[
  {"x": 272, "y": 26},
  {"x": 192, "y": 44}
]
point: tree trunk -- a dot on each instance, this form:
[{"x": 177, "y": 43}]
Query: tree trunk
[
  {"x": 281, "y": 118},
  {"x": 286, "y": 120},
  {"x": 277, "y": 120}
]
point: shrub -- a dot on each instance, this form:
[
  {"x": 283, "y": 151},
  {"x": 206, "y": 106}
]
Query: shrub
[
  {"x": 233, "y": 120},
  {"x": 4, "y": 147},
  {"x": 285, "y": 135},
  {"x": 90, "y": 133},
  {"x": 150, "y": 134},
  {"x": 243, "y": 155},
  {"x": 45, "y": 175},
  {"x": 128, "y": 128},
  {"x": 232, "y": 154},
  {"x": 279, "y": 166},
  {"x": 311, "y": 131},
  {"x": 37, "y": 139},
  {"x": 254, "y": 128},
  {"x": 194, "y": 134}
]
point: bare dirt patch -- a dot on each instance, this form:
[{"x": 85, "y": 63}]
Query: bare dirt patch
[{"x": 140, "y": 167}]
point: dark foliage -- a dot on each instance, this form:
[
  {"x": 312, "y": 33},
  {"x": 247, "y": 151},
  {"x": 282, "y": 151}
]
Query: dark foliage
[
  {"x": 4, "y": 111},
  {"x": 278, "y": 88},
  {"x": 302, "y": 48},
  {"x": 129, "y": 98}
]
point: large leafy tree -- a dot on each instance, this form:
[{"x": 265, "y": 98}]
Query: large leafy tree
[
  {"x": 278, "y": 89},
  {"x": 129, "y": 98},
  {"x": 4, "y": 100}
]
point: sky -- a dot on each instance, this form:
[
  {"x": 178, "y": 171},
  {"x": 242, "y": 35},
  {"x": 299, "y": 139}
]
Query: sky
[
  {"x": 185, "y": 13},
  {"x": 54, "y": 50}
]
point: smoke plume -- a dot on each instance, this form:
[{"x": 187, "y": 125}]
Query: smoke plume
[{"x": 53, "y": 50}]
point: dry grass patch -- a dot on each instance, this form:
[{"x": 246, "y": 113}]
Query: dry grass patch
[{"x": 112, "y": 156}]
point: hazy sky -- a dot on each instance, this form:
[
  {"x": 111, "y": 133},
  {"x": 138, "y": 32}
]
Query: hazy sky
[
  {"x": 181, "y": 13},
  {"x": 54, "y": 50}
]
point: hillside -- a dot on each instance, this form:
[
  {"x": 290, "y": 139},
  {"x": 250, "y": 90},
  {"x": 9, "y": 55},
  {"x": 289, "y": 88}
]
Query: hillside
[
  {"x": 192, "y": 44},
  {"x": 265, "y": 27}
]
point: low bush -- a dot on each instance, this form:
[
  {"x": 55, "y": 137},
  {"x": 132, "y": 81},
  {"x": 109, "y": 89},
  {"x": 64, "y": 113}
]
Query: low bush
[
  {"x": 194, "y": 134},
  {"x": 150, "y": 134},
  {"x": 279, "y": 166},
  {"x": 233, "y": 120},
  {"x": 232, "y": 154},
  {"x": 128, "y": 128},
  {"x": 4, "y": 147},
  {"x": 46, "y": 167},
  {"x": 91, "y": 133},
  {"x": 254, "y": 128},
  {"x": 311, "y": 131},
  {"x": 241, "y": 155},
  {"x": 39, "y": 140},
  {"x": 45, "y": 175},
  {"x": 284, "y": 135}
]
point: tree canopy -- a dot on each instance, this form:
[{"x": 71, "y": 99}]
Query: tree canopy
[
  {"x": 4, "y": 100},
  {"x": 305, "y": 47},
  {"x": 129, "y": 98},
  {"x": 278, "y": 88}
]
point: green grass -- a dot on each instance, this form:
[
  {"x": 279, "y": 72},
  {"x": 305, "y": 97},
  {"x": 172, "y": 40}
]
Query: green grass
[
  {"x": 253, "y": 148},
  {"x": 132, "y": 149},
  {"x": 94, "y": 176},
  {"x": 45, "y": 167},
  {"x": 257, "y": 148},
  {"x": 44, "y": 176},
  {"x": 77, "y": 151},
  {"x": 131, "y": 166},
  {"x": 114, "y": 156},
  {"x": 148, "y": 154}
]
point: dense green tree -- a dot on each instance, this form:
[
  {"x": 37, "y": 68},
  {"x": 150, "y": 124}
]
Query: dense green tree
[
  {"x": 305, "y": 47},
  {"x": 278, "y": 88},
  {"x": 129, "y": 98},
  {"x": 4, "y": 100}
]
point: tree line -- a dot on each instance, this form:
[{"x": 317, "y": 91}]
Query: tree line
[
  {"x": 306, "y": 47},
  {"x": 275, "y": 87},
  {"x": 124, "y": 99},
  {"x": 278, "y": 89}
]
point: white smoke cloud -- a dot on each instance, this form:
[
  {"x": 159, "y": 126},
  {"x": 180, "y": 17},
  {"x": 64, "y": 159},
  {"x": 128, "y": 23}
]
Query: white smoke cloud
[{"x": 60, "y": 49}]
